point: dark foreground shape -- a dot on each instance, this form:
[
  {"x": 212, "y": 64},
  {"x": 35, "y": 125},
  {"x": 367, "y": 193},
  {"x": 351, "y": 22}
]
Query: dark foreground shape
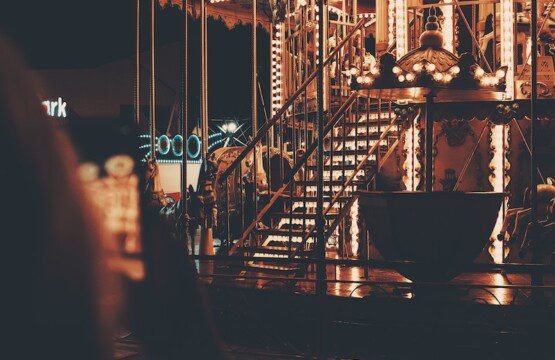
[{"x": 441, "y": 230}]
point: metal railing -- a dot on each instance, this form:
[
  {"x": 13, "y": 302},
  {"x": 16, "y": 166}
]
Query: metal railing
[
  {"x": 349, "y": 182},
  {"x": 277, "y": 153}
]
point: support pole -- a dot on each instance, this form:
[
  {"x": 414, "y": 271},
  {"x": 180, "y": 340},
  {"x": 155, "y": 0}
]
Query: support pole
[
  {"x": 429, "y": 141},
  {"x": 138, "y": 65},
  {"x": 206, "y": 235},
  {"x": 321, "y": 285},
  {"x": 204, "y": 82},
  {"x": 152, "y": 81},
  {"x": 533, "y": 104},
  {"x": 536, "y": 278},
  {"x": 254, "y": 105},
  {"x": 184, "y": 120}
]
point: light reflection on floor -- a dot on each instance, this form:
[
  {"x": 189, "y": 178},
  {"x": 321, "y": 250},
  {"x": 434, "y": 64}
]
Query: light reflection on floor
[
  {"x": 487, "y": 293},
  {"x": 385, "y": 283}
]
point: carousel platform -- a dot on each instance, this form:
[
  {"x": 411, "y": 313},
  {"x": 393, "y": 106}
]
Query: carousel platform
[
  {"x": 487, "y": 288},
  {"x": 379, "y": 314}
]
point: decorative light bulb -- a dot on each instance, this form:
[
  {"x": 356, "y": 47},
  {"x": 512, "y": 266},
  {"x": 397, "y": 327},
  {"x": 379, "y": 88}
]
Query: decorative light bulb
[
  {"x": 360, "y": 79},
  {"x": 417, "y": 67},
  {"x": 410, "y": 77},
  {"x": 455, "y": 69},
  {"x": 479, "y": 72},
  {"x": 430, "y": 67},
  {"x": 438, "y": 76},
  {"x": 500, "y": 73},
  {"x": 396, "y": 70},
  {"x": 448, "y": 77},
  {"x": 401, "y": 78},
  {"x": 367, "y": 79}
]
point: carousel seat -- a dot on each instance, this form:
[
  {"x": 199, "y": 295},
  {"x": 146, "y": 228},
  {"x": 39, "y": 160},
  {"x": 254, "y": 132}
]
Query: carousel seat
[{"x": 442, "y": 231}]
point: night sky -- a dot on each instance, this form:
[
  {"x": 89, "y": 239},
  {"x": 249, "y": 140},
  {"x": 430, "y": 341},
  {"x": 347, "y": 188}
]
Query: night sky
[{"x": 62, "y": 34}]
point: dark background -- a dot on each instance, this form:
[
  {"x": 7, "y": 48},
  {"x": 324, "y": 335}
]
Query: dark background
[{"x": 62, "y": 34}]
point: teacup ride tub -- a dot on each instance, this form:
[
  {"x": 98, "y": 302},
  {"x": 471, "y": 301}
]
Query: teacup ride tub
[{"x": 441, "y": 231}]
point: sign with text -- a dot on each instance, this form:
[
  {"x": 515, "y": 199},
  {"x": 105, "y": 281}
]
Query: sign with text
[{"x": 55, "y": 108}]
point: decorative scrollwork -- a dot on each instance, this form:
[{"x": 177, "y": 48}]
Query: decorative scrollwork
[
  {"x": 455, "y": 131},
  {"x": 526, "y": 89}
]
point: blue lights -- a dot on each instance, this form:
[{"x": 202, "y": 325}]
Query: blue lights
[
  {"x": 177, "y": 145},
  {"x": 164, "y": 145},
  {"x": 193, "y": 146}
]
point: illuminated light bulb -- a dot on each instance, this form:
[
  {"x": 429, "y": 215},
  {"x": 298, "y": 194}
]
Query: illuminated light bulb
[
  {"x": 448, "y": 77},
  {"x": 486, "y": 81},
  {"x": 374, "y": 70},
  {"x": 500, "y": 73},
  {"x": 401, "y": 78},
  {"x": 410, "y": 77},
  {"x": 417, "y": 67},
  {"x": 479, "y": 72},
  {"x": 353, "y": 71},
  {"x": 302, "y": 3},
  {"x": 430, "y": 67},
  {"x": 360, "y": 79},
  {"x": 367, "y": 79},
  {"x": 396, "y": 70},
  {"x": 438, "y": 76},
  {"x": 455, "y": 69}
]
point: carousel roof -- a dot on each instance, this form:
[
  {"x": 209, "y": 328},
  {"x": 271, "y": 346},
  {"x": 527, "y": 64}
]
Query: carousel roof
[
  {"x": 235, "y": 12},
  {"x": 231, "y": 12},
  {"x": 431, "y": 69}
]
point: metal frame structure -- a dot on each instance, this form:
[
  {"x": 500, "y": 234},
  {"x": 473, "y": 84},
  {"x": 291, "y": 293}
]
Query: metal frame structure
[
  {"x": 301, "y": 58},
  {"x": 403, "y": 21}
]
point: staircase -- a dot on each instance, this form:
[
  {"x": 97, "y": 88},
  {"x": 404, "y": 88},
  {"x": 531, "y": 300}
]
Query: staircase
[
  {"x": 359, "y": 136},
  {"x": 352, "y": 157}
]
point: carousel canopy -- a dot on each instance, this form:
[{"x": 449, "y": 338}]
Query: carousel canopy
[
  {"x": 431, "y": 68},
  {"x": 234, "y": 12},
  {"x": 231, "y": 12}
]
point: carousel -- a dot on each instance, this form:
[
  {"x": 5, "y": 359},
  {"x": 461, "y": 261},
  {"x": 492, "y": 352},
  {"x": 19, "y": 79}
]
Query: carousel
[{"x": 407, "y": 135}]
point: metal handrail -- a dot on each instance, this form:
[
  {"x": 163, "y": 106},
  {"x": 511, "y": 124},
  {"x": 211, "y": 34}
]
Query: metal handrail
[
  {"x": 344, "y": 186},
  {"x": 329, "y": 126},
  {"x": 273, "y": 121}
]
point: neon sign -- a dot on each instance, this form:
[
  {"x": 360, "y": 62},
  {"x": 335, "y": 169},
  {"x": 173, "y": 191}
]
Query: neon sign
[{"x": 55, "y": 108}]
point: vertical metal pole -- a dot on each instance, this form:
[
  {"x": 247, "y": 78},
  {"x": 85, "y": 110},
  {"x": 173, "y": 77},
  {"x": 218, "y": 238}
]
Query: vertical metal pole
[
  {"x": 206, "y": 238},
  {"x": 533, "y": 104},
  {"x": 138, "y": 65},
  {"x": 152, "y": 82},
  {"x": 254, "y": 102},
  {"x": 321, "y": 285},
  {"x": 536, "y": 278},
  {"x": 184, "y": 117},
  {"x": 204, "y": 81},
  {"x": 429, "y": 142}
]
